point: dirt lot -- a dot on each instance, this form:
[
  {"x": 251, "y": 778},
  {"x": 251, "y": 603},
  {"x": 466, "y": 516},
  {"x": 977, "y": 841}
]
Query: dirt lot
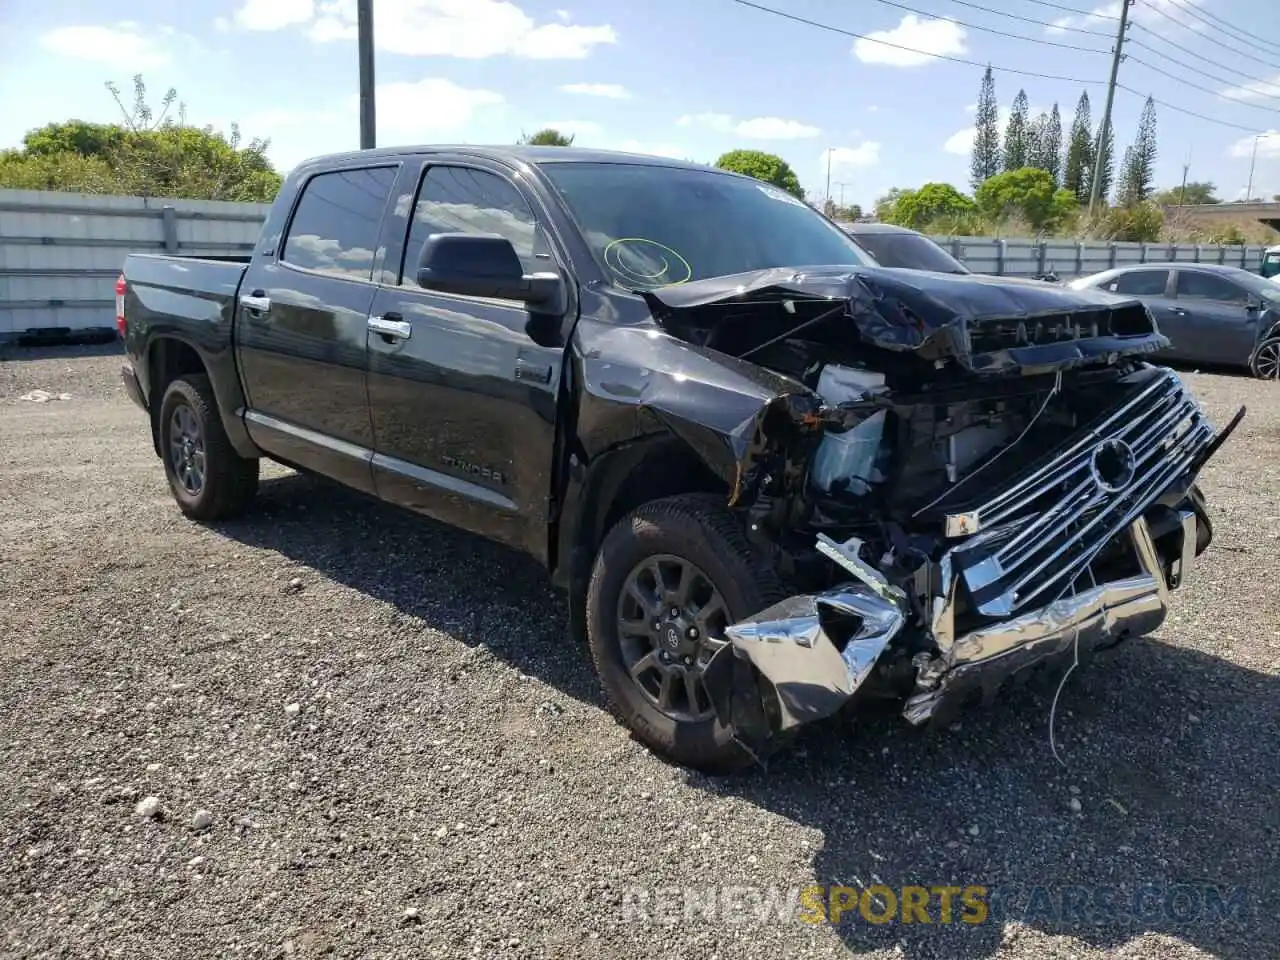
[{"x": 402, "y": 756}]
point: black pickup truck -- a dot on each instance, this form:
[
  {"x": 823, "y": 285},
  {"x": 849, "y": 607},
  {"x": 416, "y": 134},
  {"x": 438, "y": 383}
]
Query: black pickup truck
[{"x": 772, "y": 476}]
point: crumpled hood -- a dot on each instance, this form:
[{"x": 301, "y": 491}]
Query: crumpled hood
[{"x": 986, "y": 324}]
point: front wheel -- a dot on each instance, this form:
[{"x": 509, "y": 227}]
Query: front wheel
[
  {"x": 208, "y": 478},
  {"x": 1265, "y": 364},
  {"x": 666, "y": 582}
]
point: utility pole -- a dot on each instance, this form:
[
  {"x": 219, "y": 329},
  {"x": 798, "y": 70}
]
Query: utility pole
[
  {"x": 364, "y": 40},
  {"x": 1248, "y": 193},
  {"x": 1117, "y": 56},
  {"x": 829, "y": 149},
  {"x": 1182, "y": 193}
]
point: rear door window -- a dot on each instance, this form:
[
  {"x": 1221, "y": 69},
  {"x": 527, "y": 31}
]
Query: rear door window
[
  {"x": 335, "y": 226},
  {"x": 1194, "y": 285},
  {"x": 1139, "y": 283}
]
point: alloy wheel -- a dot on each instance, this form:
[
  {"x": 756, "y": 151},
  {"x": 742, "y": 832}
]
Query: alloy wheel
[
  {"x": 671, "y": 621},
  {"x": 1266, "y": 363},
  {"x": 186, "y": 449}
]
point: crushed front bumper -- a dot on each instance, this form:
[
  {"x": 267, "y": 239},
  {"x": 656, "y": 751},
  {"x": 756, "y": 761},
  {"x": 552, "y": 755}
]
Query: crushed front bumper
[{"x": 803, "y": 659}]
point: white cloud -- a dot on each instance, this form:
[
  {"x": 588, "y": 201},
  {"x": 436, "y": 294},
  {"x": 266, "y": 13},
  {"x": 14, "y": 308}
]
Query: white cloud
[
  {"x": 563, "y": 15},
  {"x": 612, "y": 91},
  {"x": 844, "y": 159},
  {"x": 1268, "y": 145},
  {"x": 467, "y": 29},
  {"x": 123, "y": 46},
  {"x": 757, "y": 128},
  {"x": 221, "y": 24},
  {"x": 273, "y": 14},
  {"x": 409, "y": 112},
  {"x": 961, "y": 142},
  {"x": 925, "y": 40},
  {"x": 1255, "y": 91},
  {"x": 775, "y": 128}
]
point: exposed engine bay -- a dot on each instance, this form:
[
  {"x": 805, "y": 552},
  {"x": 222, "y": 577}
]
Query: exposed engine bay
[{"x": 969, "y": 478}]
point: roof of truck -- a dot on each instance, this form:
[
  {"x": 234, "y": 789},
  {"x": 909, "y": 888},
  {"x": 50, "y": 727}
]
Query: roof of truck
[{"x": 526, "y": 154}]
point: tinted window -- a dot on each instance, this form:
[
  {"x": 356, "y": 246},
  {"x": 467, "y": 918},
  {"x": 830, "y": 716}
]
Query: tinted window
[
  {"x": 463, "y": 200},
  {"x": 909, "y": 251},
  {"x": 1139, "y": 283},
  {"x": 1193, "y": 285},
  {"x": 649, "y": 225},
  {"x": 335, "y": 227}
]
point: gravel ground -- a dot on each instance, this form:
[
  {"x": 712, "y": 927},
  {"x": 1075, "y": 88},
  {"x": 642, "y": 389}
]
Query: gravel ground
[{"x": 366, "y": 735}]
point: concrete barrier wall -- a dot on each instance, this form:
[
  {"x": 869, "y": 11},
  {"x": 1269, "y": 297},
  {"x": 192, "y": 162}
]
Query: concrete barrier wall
[{"x": 60, "y": 253}]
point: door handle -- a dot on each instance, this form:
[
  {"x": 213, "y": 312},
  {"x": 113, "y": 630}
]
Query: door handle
[
  {"x": 1178, "y": 311},
  {"x": 391, "y": 327},
  {"x": 256, "y": 302}
]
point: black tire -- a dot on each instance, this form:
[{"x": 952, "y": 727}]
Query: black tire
[
  {"x": 227, "y": 481},
  {"x": 1265, "y": 362},
  {"x": 699, "y": 529}
]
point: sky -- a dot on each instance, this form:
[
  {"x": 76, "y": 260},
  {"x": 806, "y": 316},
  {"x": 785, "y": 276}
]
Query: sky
[{"x": 682, "y": 78}]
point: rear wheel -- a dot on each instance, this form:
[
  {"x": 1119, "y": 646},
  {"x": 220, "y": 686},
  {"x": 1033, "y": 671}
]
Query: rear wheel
[
  {"x": 208, "y": 478},
  {"x": 1265, "y": 364},
  {"x": 666, "y": 582}
]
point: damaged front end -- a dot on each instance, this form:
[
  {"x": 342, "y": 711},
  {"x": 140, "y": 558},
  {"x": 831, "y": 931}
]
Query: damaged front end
[{"x": 981, "y": 477}]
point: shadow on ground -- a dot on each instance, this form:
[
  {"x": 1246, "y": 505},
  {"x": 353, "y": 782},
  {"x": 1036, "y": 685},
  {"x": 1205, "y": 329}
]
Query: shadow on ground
[{"x": 1170, "y": 754}]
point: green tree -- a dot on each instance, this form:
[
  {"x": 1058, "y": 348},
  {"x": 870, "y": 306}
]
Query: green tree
[
  {"x": 1138, "y": 177},
  {"x": 1079, "y": 163},
  {"x": 1016, "y": 134},
  {"x": 763, "y": 166},
  {"x": 1140, "y": 223},
  {"x": 885, "y": 205},
  {"x": 148, "y": 154},
  {"x": 1044, "y": 148},
  {"x": 547, "y": 137},
  {"x": 1197, "y": 191},
  {"x": 985, "y": 159},
  {"x": 1107, "y": 169},
  {"x": 919, "y": 208},
  {"x": 1029, "y": 193}
]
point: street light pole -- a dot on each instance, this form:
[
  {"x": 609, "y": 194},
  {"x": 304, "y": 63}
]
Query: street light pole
[{"x": 364, "y": 40}]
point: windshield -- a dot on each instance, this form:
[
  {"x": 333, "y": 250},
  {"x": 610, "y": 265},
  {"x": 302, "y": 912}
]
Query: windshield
[
  {"x": 910, "y": 251},
  {"x": 651, "y": 226}
]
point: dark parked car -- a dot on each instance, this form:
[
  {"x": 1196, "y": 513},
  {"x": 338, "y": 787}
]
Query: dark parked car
[
  {"x": 1210, "y": 313},
  {"x": 771, "y": 477},
  {"x": 894, "y": 246}
]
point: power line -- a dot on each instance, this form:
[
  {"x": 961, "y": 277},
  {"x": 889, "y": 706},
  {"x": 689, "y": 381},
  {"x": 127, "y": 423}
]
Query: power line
[
  {"x": 1225, "y": 26},
  {"x": 1189, "y": 113},
  {"x": 1203, "y": 73},
  {"x": 1196, "y": 86},
  {"x": 1039, "y": 23},
  {"x": 1079, "y": 13},
  {"x": 1226, "y": 46},
  {"x": 998, "y": 33},
  {"x": 898, "y": 46},
  {"x": 1199, "y": 56},
  {"x": 830, "y": 28}
]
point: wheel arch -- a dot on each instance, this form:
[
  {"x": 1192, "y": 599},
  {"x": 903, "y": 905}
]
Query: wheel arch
[{"x": 169, "y": 358}]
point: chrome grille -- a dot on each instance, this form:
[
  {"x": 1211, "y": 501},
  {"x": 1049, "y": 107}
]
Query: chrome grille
[{"x": 1041, "y": 532}]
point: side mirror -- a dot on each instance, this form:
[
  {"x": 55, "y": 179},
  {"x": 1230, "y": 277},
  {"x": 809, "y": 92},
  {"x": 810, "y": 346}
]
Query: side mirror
[
  {"x": 484, "y": 265},
  {"x": 1253, "y": 305}
]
